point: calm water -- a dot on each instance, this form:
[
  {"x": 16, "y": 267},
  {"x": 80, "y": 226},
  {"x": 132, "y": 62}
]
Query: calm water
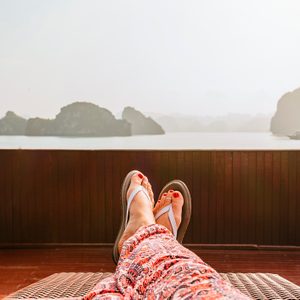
[{"x": 186, "y": 140}]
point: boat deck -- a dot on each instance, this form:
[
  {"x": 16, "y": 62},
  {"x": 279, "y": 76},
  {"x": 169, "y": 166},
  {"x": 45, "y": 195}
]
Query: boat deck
[{"x": 246, "y": 202}]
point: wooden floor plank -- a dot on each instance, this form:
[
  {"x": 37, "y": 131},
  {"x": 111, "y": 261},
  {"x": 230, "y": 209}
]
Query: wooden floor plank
[{"x": 21, "y": 267}]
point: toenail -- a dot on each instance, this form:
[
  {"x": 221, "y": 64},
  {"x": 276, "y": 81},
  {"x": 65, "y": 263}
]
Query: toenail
[
  {"x": 140, "y": 175},
  {"x": 165, "y": 194},
  {"x": 171, "y": 191},
  {"x": 175, "y": 195}
]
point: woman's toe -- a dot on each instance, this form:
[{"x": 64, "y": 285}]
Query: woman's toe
[
  {"x": 150, "y": 191},
  {"x": 177, "y": 203},
  {"x": 137, "y": 177},
  {"x": 146, "y": 184}
]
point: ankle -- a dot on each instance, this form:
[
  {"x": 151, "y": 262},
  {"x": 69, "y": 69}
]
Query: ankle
[
  {"x": 139, "y": 208},
  {"x": 141, "y": 219}
]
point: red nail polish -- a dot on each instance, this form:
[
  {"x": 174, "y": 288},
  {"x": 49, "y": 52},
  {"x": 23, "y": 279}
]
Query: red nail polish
[
  {"x": 171, "y": 191},
  {"x": 140, "y": 175},
  {"x": 175, "y": 195}
]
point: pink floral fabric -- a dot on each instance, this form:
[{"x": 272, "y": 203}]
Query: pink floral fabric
[{"x": 153, "y": 265}]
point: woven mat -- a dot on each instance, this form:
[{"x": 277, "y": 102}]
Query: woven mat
[{"x": 73, "y": 285}]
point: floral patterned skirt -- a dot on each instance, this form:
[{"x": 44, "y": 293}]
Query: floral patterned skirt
[{"x": 153, "y": 265}]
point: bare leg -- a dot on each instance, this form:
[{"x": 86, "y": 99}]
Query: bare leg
[{"x": 141, "y": 208}]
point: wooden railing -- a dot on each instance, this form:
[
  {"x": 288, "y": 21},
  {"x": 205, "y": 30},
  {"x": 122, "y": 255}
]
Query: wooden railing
[{"x": 71, "y": 196}]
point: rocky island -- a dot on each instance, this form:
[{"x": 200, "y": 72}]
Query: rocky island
[
  {"x": 139, "y": 123},
  {"x": 287, "y": 117},
  {"x": 81, "y": 119},
  {"x": 12, "y": 124}
]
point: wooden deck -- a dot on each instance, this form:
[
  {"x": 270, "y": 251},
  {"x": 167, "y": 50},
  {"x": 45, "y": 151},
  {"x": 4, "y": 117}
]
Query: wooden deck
[{"x": 20, "y": 267}]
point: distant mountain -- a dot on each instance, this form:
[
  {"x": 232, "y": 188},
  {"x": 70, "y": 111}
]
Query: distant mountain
[
  {"x": 258, "y": 123},
  {"x": 287, "y": 117},
  {"x": 225, "y": 123},
  {"x": 139, "y": 123},
  {"x": 12, "y": 124},
  {"x": 80, "y": 119}
]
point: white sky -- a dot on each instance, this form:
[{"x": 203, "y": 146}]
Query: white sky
[{"x": 194, "y": 57}]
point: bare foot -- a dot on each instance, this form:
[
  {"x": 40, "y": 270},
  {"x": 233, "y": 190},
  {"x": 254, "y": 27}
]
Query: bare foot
[
  {"x": 140, "y": 211},
  {"x": 174, "y": 197}
]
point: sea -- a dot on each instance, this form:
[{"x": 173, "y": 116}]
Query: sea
[{"x": 175, "y": 141}]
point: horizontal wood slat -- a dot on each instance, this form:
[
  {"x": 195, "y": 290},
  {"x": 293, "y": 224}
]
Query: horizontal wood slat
[{"x": 72, "y": 196}]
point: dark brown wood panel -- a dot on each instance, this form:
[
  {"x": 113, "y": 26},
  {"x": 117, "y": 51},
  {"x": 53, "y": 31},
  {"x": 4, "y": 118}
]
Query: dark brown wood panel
[
  {"x": 297, "y": 191},
  {"x": 276, "y": 197},
  {"x": 236, "y": 194},
  {"x": 6, "y": 190},
  {"x": 292, "y": 197},
  {"x": 73, "y": 196},
  {"x": 268, "y": 220},
  {"x": 284, "y": 198},
  {"x": 228, "y": 169},
  {"x": 260, "y": 199}
]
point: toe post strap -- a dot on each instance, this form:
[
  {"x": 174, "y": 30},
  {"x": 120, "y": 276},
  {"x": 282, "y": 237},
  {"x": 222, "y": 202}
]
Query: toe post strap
[{"x": 168, "y": 209}]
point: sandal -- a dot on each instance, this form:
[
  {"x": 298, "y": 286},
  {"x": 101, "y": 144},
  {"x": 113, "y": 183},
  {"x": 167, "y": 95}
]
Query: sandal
[
  {"x": 177, "y": 185},
  {"x": 125, "y": 209}
]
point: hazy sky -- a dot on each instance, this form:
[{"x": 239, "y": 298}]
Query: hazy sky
[{"x": 194, "y": 57}]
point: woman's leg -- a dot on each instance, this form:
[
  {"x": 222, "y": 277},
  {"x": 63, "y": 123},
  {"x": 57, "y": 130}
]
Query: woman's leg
[
  {"x": 153, "y": 265},
  {"x": 140, "y": 215},
  {"x": 106, "y": 289}
]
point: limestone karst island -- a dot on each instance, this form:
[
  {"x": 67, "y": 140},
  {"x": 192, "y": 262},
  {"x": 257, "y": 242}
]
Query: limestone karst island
[
  {"x": 286, "y": 120},
  {"x": 81, "y": 119}
]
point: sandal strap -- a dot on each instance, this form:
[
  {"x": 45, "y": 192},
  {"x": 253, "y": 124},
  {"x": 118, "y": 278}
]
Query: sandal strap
[
  {"x": 168, "y": 209},
  {"x": 132, "y": 195}
]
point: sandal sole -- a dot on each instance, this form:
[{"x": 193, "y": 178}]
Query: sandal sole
[{"x": 124, "y": 188}]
